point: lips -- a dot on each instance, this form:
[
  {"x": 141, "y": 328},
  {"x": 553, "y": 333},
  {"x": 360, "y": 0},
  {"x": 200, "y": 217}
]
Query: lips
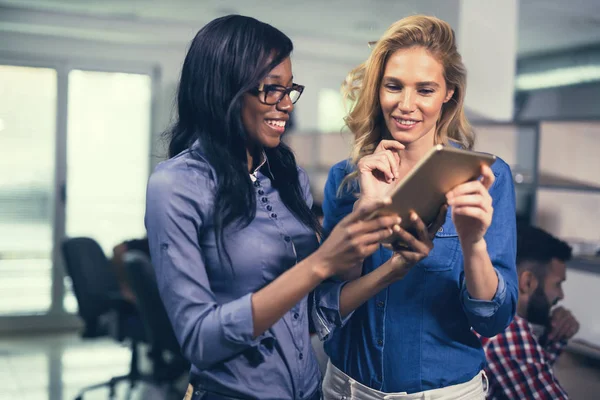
[
  {"x": 406, "y": 121},
  {"x": 277, "y": 125}
]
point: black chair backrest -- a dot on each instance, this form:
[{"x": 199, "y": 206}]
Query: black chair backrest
[
  {"x": 140, "y": 273},
  {"x": 94, "y": 281}
]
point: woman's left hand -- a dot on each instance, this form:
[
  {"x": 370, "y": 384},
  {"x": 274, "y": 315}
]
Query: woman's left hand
[{"x": 472, "y": 207}]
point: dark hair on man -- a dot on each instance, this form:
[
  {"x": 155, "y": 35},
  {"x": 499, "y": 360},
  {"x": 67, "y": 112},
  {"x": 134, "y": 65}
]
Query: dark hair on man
[
  {"x": 536, "y": 247},
  {"x": 228, "y": 58}
]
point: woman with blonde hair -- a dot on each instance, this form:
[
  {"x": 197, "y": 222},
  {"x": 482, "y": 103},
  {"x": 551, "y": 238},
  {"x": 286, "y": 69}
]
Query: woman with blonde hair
[{"x": 414, "y": 338}]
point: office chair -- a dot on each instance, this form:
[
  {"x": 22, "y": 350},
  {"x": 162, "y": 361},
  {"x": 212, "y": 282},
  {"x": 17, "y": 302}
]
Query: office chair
[
  {"x": 158, "y": 329},
  {"x": 101, "y": 306}
]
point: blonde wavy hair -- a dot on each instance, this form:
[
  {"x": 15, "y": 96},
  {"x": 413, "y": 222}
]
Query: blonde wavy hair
[{"x": 361, "y": 87}]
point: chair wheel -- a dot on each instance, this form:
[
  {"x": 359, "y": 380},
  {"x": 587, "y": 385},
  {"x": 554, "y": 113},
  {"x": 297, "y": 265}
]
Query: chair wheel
[{"x": 79, "y": 398}]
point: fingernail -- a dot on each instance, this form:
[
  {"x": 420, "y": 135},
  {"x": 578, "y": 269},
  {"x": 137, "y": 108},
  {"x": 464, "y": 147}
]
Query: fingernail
[
  {"x": 413, "y": 217},
  {"x": 398, "y": 220}
]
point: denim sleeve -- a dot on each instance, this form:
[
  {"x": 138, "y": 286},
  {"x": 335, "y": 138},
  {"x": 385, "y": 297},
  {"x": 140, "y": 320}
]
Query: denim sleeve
[
  {"x": 178, "y": 201},
  {"x": 489, "y": 318},
  {"x": 325, "y": 299}
]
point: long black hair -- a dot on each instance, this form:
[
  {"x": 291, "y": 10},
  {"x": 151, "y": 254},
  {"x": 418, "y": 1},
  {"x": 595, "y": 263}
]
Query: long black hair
[{"x": 228, "y": 58}]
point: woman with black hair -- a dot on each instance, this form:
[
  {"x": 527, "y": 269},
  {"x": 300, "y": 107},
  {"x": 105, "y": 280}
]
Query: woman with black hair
[{"x": 231, "y": 234}]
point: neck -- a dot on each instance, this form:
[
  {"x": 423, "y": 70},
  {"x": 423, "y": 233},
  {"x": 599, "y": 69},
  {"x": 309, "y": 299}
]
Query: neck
[
  {"x": 521, "y": 308},
  {"x": 253, "y": 154},
  {"x": 413, "y": 152}
]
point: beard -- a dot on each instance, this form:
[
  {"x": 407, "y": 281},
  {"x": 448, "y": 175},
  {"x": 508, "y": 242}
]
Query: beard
[{"x": 538, "y": 309}]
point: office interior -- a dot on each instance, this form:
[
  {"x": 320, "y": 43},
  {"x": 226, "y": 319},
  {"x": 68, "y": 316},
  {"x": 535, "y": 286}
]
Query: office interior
[{"x": 87, "y": 89}]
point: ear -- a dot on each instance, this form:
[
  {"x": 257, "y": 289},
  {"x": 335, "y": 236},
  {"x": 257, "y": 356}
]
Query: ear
[
  {"x": 527, "y": 283},
  {"x": 449, "y": 94}
]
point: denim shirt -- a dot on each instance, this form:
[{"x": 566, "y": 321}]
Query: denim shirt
[
  {"x": 209, "y": 303},
  {"x": 416, "y": 334}
]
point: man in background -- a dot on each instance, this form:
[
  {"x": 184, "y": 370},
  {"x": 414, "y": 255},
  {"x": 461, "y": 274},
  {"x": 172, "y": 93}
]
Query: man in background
[{"x": 520, "y": 360}]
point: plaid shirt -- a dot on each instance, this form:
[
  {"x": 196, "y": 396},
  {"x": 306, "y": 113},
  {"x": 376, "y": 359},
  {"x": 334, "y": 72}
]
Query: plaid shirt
[{"x": 520, "y": 366}]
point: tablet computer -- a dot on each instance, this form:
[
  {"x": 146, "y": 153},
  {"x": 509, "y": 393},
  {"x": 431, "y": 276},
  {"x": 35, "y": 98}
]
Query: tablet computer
[{"x": 423, "y": 190}]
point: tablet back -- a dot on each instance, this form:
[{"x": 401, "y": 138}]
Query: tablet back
[{"x": 424, "y": 189}]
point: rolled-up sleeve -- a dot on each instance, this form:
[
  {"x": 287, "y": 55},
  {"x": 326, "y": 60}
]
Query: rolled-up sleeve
[
  {"x": 484, "y": 308},
  {"x": 177, "y": 203},
  {"x": 490, "y": 318},
  {"x": 325, "y": 299}
]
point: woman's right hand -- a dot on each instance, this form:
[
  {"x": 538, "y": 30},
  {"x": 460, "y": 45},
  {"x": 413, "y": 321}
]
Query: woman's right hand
[
  {"x": 377, "y": 171},
  {"x": 354, "y": 238}
]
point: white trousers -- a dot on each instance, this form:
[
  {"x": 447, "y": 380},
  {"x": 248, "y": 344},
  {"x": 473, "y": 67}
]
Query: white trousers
[{"x": 339, "y": 386}]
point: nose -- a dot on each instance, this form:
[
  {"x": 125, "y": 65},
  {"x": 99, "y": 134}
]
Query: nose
[
  {"x": 406, "y": 103},
  {"x": 285, "y": 104}
]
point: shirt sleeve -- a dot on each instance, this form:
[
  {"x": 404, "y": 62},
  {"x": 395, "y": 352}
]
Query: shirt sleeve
[
  {"x": 553, "y": 349},
  {"x": 177, "y": 204},
  {"x": 519, "y": 367},
  {"x": 491, "y": 317},
  {"x": 325, "y": 299},
  {"x": 484, "y": 308}
]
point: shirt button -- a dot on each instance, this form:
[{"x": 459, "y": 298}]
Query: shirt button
[
  {"x": 287, "y": 238},
  {"x": 441, "y": 229},
  {"x": 264, "y": 199},
  {"x": 380, "y": 304},
  {"x": 301, "y": 393},
  {"x": 256, "y": 183},
  {"x": 261, "y": 192},
  {"x": 301, "y": 356},
  {"x": 273, "y": 215},
  {"x": 269, "y": 207},
  {"x": 296, "y": 315},
  {"x": 380, "y": 342}
]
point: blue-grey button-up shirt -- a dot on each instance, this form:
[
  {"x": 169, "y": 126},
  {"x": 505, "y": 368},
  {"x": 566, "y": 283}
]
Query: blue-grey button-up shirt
[
  {"x": 209, "y": 303},
  {"x": 416, "y": 334}
]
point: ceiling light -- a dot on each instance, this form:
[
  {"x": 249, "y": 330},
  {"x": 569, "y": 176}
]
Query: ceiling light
[{"x": 557, "y": 77}]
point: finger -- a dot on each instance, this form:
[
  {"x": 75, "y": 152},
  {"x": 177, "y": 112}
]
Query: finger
[
  {"x": 487, "y": 176},
  {"x": 473, "y": 212},
  {"x": 562, "y": 328},
  {"x": 370, "y": 249},
  {"x": 373, "y": 225},
  {"x": 471, "y": 187},
  {"x": 376, "y": 224},
  {"x": 561, "y": 333},
  {"x": 376, "y": 237},
  {"x": 471, "y": 200},
  {"x": 412, "y": 242},
  {"x": 422, "y": 232},
  {"x": 366, "y": 209},
  {"x": 378, "y": 163},
  {"x": 387, "y": 144},
  {"x": 439, "y": 221},
  {"x": 394, "y": 164}
]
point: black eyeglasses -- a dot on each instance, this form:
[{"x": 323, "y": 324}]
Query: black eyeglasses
[{"x": 273, "y": 94}]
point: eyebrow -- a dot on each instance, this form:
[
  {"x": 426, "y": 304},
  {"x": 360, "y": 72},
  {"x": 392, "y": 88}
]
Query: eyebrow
[
  {"x": 271, "y": 76},
  {"x": 396, "y": 80}
]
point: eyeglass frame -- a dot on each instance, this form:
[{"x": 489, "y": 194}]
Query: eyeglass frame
[{"x": 286, "y": 91}]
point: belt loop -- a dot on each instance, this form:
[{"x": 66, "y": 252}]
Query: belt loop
[{"x": 486, "y": 382}]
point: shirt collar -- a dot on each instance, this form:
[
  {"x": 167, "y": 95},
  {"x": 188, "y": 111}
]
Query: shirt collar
[
  {"x": 263, "y": 160},
  {"x": 197, "y": 146}
]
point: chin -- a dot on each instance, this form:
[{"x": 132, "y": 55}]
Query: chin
[{"x": 271, "y": 143}]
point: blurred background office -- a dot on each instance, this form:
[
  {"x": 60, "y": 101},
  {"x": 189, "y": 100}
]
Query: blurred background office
[{"x": 87, "y": 88}]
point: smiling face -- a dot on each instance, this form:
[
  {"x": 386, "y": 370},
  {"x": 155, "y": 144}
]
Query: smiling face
[
  {"x": 412, "y": 93},
  {"x": 265, "y": 124}
]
